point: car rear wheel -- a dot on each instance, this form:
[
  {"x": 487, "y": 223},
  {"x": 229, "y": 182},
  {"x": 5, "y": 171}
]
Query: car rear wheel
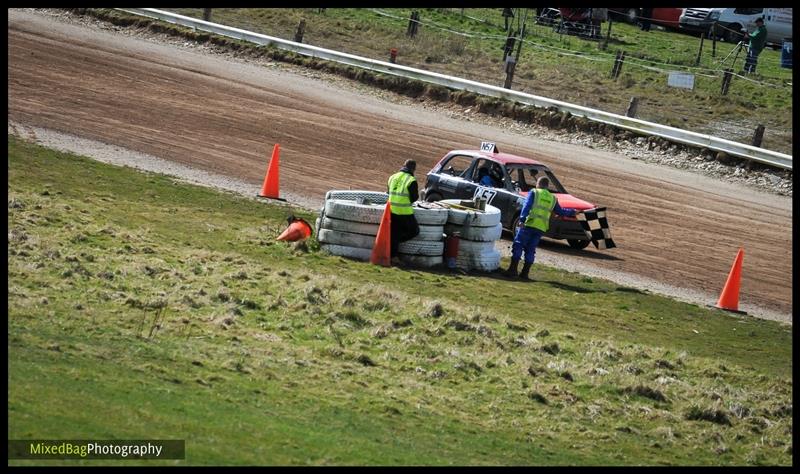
[
  {"x": 578, "y": 244},
  {"x": 433, "y": 196}
]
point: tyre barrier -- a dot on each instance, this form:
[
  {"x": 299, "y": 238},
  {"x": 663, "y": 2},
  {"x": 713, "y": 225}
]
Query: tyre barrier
[
  {"x": 349, "y": 252},
  {"x": 421, "y": 247},
  {"x": 431, "y": 216},
  {"x": 487, "y": 262},
  {"x": 487, "y": 218},
  {"x": 352, "y": 211},
  {"x": 348, "y": 239},
  {"x": 374, "y": 197},
  {"x": 348, "y": 228},
  {"x": 480, "y": 234},
  {"x": 422, "y": 261}
]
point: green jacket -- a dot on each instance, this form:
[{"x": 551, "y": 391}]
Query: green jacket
[{"x": 758, "y": 38}]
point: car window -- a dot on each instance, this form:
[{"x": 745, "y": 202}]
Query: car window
[
  {"x": 748, "y": 11},
  {"x": 457, "y": 165},
  {"x": 525, "y": 177}
]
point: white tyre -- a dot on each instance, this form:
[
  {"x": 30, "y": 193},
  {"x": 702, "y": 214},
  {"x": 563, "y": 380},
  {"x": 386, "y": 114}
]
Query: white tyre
[
  {"x": 349, "y": 252},
  {"x": 480, "y": 234},
  {"x": 421, "y": 247},
  {"x": 472, "y": 247},
  {"x": 352, "y": 211},
  {"x": 487, "y": 218},
  {"x": 431, "y": 216},
  {"x": 349, "y": 226},
  {"x": 421, "y": 260},
  {"x": 433, "y": 233},
  {"x": 348, "y": 239},
  {"x": 375, "y": 197},
  {"x": 487, "y": 262}
]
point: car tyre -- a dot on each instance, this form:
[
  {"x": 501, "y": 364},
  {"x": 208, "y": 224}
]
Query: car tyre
[{"x": 578, "y": 244}]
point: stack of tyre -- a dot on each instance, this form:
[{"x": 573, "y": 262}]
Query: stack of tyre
[
  {"x": 349, "y": 222},
  {"x": 478, "y": 231}
]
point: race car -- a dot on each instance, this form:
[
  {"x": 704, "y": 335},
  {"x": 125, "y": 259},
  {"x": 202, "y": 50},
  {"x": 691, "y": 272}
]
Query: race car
[{"x": 462, "y": 174}]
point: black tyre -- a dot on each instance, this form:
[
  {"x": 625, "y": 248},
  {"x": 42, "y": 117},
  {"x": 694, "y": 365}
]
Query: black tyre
[
  {"x": 433, "y": 196},
  {"x": 578, "y": 244}
]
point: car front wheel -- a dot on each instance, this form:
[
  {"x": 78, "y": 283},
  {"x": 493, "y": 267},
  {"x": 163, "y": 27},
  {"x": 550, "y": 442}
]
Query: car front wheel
[
  {"x": 578, "y": 244},
  {"x": 433, "y": 196}
]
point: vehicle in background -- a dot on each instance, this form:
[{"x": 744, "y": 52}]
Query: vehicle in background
[
  {"x": 458, "y": 175},
  {"x": 777, "y": 20},
  {"x": 699, "y": 20},
  {"x": 667, "y": 17}
]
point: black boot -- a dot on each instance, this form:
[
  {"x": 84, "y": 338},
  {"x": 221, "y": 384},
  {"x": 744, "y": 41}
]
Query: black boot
[
  {"x": 523, "y": 275},
  {"x": 512, "y": 269}
]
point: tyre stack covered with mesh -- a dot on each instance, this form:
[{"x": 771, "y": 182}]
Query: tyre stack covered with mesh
[
  {"x": 478, "y": 231},
  {"x": 349, "y": 222}
]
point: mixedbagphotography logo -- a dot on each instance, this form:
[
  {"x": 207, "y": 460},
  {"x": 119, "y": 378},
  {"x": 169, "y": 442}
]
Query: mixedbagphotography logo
[{"x": 96, "y": 449}]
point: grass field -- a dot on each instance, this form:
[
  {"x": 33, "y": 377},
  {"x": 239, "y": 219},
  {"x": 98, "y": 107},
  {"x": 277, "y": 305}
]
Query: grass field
[
  {"x": 272, "y": 353},
  {"x": 557, "y": 66}
]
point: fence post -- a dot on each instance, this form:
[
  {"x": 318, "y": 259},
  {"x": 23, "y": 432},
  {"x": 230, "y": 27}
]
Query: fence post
[
  {"x": 726, "y": 81},
  {"x": 714, "y": 40},
  {"x": 412, "y": 24},
  {"x": 509, "y": 47},
  {"x": 608, "y": 33},
  {"x": 615, "y": 65},
  {"x": 758, "y": 136},
  {"x": 511, "y": 65},
  {"x": 620, "y": 59},
  {"x": 632, "y": 106},
  {"x": 699, "y": 52},
  {"x": 298, "y": 35},
  {"x": 207, "y": 14}
]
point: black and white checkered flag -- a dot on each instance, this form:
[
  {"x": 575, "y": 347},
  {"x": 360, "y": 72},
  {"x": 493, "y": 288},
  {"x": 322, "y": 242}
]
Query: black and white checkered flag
[{"x": 595, "y": 224}]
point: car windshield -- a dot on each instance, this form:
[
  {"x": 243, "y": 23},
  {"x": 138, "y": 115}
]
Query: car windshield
[{"x": 524, "y": 177}]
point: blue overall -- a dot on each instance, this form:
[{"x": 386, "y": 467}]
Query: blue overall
[{"x": 527, "y": 238}]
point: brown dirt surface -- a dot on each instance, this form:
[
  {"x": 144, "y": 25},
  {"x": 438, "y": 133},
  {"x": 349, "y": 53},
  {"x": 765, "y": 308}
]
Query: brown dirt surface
[{"x": 223, "y": 116}]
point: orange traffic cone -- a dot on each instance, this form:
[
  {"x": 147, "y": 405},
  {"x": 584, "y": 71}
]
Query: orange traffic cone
[
  {"x": 298, "y": 230},
  {"x": 382, "y": 249},
  {"x": 271, "y": 180},
  {"x": 729, "y": 298}
]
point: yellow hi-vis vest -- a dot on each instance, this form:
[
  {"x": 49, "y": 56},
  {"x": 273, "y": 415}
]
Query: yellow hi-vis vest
[
  {"x": 539, "y": 215},
  {"x": 399, "y": 197}
]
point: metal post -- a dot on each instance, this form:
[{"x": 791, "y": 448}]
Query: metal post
[
  {"x": 298, "y": 35},
  {"x": 758, "y": 136},
  {"x": 206, "y": 14},
  {"x": 632, "y": 106},
  {"x": 702, "y": 38}
]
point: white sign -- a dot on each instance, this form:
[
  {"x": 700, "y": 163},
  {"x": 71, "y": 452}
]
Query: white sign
[
  {"x": 486, "y": 193},
  {"x": 681, "y": 79},
  {"x": 489, "y": 146}
]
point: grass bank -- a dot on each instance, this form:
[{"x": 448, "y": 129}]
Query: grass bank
[{"x": 141, "y": 307}]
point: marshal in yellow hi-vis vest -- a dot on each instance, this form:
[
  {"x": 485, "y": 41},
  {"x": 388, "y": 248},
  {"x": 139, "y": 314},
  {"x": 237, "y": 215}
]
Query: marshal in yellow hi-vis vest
[
  {"x": 399, "y": 197},
  {"x": 543, "y": 204}
]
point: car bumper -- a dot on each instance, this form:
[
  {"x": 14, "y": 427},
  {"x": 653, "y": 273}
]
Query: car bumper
[{"x": 566, "y": 229}]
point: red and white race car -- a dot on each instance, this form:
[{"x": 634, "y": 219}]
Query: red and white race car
[{"x": 461, "y": 174}]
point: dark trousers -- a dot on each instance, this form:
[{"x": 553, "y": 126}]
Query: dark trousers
[
  {"x": 751, "y": 60},
  {"x": 404, "y": 227}
]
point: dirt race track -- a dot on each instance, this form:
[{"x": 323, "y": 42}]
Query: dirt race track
[{"x": 223, "y": 116}]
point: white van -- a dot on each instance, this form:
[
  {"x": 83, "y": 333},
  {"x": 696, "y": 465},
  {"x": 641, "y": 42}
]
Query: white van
[{"x": 777, "y": 20}]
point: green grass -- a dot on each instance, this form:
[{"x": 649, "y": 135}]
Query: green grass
[
  {"x": 542, "y": 70},
  {"x": 273, "y": 353}
]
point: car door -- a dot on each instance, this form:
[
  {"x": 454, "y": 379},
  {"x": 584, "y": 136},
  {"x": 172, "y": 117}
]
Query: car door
[
  {"x": 454, "y": 177},
  {"x": 502, "y": 197}
]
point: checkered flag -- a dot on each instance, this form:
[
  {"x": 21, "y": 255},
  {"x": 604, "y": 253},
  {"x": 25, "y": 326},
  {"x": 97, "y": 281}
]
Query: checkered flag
[{"x": 595, "y": 224}]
